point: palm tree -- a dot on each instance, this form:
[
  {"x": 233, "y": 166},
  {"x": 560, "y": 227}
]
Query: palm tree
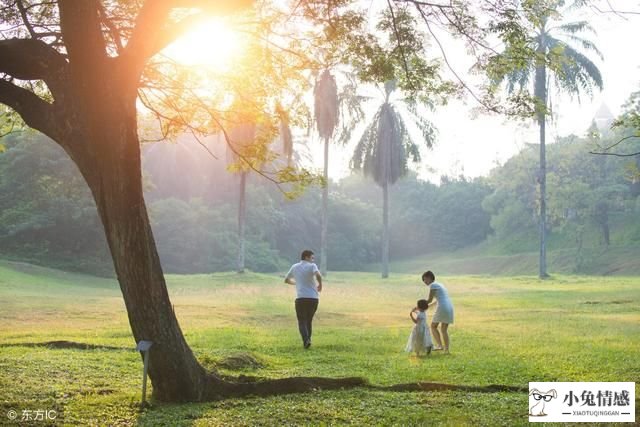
[
  {"x": 240, "y": 137},
  {"x": 326, "y": 116},
  {"x": 383, "y": 153},
  {"x": 558, "y": 49},
  {"x": 285, "y": 135}
]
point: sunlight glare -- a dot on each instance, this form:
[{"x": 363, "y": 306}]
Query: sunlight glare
[{"x": 212, "y": 43}]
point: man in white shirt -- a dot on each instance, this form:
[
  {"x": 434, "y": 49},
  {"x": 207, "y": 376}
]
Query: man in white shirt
[{"x": 301, "y": 275}]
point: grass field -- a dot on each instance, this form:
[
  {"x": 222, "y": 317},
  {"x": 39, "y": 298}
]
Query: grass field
[
  {"x": 486, "y": 260},
  {"x": 508, "y": 330}
]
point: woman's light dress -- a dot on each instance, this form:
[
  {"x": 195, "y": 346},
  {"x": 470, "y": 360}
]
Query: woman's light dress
[{"x": 444, "y": 312}]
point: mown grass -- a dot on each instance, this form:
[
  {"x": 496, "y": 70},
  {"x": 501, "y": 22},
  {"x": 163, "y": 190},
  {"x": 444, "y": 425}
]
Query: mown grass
[
  {"x": 486, "y": 259},
  {"x": 508, "y": 330}
]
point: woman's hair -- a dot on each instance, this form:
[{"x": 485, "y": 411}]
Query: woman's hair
[
  {"x": 422, "y": 304},
  {"x": 429, "y": 274}
]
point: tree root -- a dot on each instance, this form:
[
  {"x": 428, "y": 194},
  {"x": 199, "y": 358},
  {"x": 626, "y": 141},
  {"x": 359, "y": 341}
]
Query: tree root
[
  {"x": 249, "y": 386},
  {"x": 243, "y": 386},
  {"x": 64, "y": 345},
  {"x": 425, "y": 386}
]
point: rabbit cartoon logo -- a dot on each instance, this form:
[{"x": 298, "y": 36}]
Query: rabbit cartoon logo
[{"x": 539, "y": 399}]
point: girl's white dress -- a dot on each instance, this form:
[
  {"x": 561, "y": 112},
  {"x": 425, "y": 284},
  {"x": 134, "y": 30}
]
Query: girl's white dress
[
  {"x": 444, "y": 312},
  {"x": 420, "y": 338}
]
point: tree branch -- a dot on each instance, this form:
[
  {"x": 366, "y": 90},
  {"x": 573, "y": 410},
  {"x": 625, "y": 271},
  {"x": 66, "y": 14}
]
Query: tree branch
[
  {"x": 404, "y": 58},
  {"x": 618, "y": 142},
  {"x": 492, "y": 108},
  {"x": 25, "y": 19},
  {"x": 83, "y": 38},
  {"x": 113, "y": 29},
  {"x": 426, "y": 3},
  {"x": 32, "y": 59},
  {"x": 142, "y": 43},
  {"x": 616, "y": 154},
  {"x": 35, "y": 112},
  {"x": 153, "y": 32},
  {"x": 175, "y": 30},
  {"x": 611, "y": 9}
]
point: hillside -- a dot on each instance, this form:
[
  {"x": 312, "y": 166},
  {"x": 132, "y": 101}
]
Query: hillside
[{"x": 616, "y": 261}]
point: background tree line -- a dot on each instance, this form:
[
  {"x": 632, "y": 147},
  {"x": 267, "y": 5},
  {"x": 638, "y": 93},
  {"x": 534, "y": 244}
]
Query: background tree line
[
  {"x": 193, "y": 206},
  {"x": 47, "y": 215}
]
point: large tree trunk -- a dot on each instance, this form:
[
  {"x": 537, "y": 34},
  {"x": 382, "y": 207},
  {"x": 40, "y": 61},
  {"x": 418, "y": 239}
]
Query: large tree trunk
[
  {"x": 325, "y": 211},
  {"x": 385, "y": 230},
  {"x": 111, "y": 166},
  {"x": 242, "y": 219}
]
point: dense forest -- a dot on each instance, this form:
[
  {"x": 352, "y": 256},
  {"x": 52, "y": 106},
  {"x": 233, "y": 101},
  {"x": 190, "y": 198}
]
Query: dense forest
[{"x": 47, "y": 215}]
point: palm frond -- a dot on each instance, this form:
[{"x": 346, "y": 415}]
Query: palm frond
[
  {"x": 519, "y": 79},
  {"x": 426, "y": 128},
  {"x": 386, "y": 146},
  {"x": 567, "y": 61},
  {"x": 326, "y": 104},
  {"x": 285, "y": 132},
  {"x": 576, "y": 27},
  {"x": 587, "y": 45},
  {"x": 350, "y": 110},
  {"x": 577, "y": 72},
  {"x": 365, "y": 144}
]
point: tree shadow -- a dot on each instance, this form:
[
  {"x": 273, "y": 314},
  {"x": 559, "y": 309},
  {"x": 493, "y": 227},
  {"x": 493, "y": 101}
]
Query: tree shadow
[{"x": 64, "y": 345}]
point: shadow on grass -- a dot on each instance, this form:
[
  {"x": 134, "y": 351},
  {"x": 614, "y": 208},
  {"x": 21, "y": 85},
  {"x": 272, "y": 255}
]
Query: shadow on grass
[
  {"x": 428, "y": 386},
  {"x": 65, "y": 345}
]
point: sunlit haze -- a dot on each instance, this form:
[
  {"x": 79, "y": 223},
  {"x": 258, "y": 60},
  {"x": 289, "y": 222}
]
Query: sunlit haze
[
  {"x": 465, "y": 144},
  {"x": 212, "y": 43}
]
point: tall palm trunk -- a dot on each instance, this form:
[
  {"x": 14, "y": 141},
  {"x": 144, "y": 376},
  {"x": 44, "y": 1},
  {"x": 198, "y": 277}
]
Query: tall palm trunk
[
  {"x": 242, "y": 219},
  {"x": 385, "y": 230},
  {"x": 635, "y": 182},
  {"x": 543, "y": 202},
  {"x": 541, "y": 95},
  {"x": 325, "y": 211}
]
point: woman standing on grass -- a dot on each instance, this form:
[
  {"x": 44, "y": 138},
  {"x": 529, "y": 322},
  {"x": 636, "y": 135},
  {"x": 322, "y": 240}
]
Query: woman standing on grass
[{"x": 444, "y": 312}]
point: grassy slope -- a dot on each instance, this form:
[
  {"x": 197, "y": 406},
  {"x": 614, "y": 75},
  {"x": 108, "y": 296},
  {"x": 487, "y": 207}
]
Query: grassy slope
[
  {"x": 482, "y": 259},
  {"x": 507, "y": 331}
]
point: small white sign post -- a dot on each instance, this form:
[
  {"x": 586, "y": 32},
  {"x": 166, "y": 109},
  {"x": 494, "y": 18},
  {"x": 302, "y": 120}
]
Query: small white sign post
[{"x": 144, "y": 347}]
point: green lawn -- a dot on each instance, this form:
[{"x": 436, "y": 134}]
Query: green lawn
[{"x": 508, "y": 330}]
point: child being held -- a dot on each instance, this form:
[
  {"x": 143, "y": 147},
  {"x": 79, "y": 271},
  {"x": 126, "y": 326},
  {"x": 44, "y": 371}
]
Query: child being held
[{"x": 420, "y": 338}]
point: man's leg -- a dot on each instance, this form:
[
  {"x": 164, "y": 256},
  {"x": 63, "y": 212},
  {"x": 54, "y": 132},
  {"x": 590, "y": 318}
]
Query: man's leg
[
  {"x": 301, "y": 314},
  {"x": 312, "y": 307}
]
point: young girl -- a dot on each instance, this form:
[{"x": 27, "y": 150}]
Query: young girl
[{"x": 420, "y": 339}]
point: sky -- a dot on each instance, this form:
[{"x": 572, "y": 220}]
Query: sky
[{"x": 473, "y": 146}]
